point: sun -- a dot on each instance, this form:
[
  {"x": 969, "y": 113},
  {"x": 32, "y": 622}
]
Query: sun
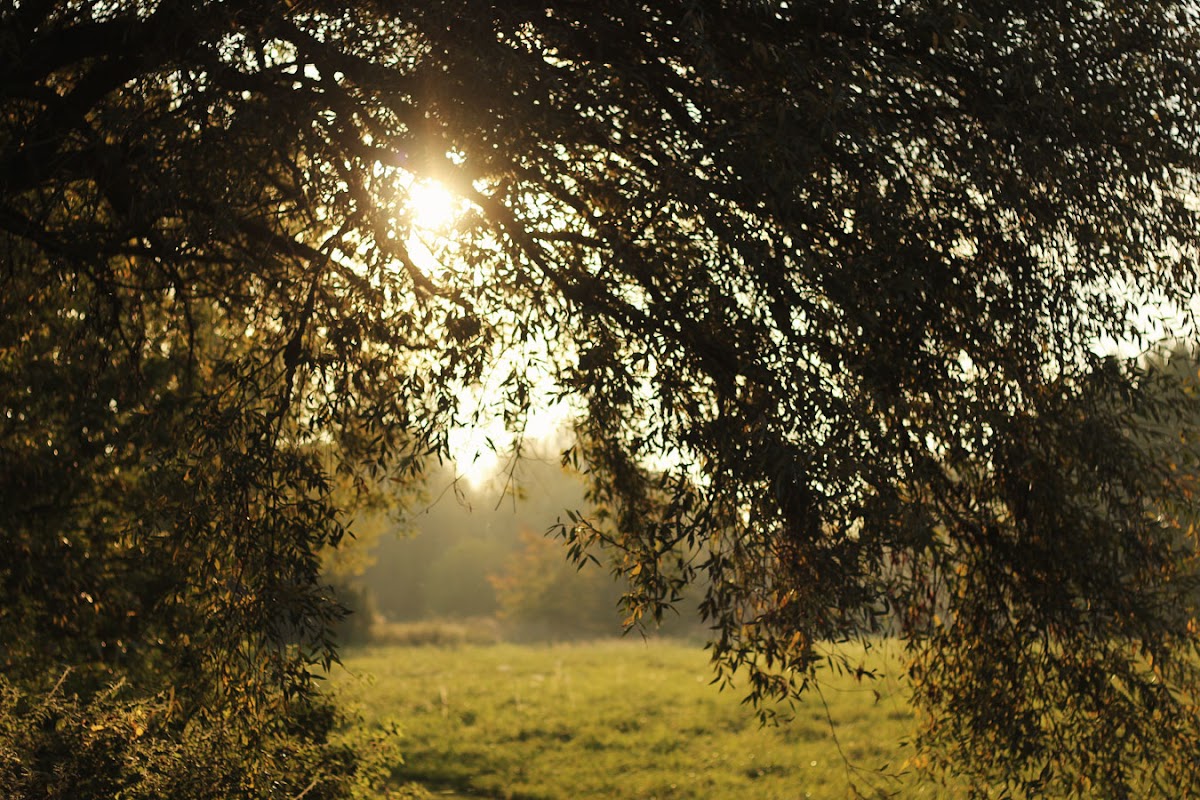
[
  {"x": 433, "y": 215},
  {"x": 432, "y": 207}
]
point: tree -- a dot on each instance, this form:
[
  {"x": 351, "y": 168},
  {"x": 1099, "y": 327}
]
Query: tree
[
  {"x": 541, "y": 595},
  {"x": 827, "y": 280}
]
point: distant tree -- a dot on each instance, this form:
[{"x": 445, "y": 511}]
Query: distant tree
[
  {"x": 542, "y": 595},
  {"x": 344, "y": 563},
  {"x": 826, "y": 280},
  {"x": 457, "y": 581},
  {"x": 1169, "y": 430}
]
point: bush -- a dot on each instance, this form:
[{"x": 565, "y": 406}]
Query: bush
[
  {"x": 63, "y": 745},
  {"x": 436, "y": 633}
]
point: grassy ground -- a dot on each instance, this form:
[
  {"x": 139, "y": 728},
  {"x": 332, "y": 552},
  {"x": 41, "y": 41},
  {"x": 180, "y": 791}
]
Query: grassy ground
[{"x": 621, "y": 719}]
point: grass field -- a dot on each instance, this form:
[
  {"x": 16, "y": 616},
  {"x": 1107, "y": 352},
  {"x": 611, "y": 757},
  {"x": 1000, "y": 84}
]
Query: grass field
[{"x": 618, "y": 719}]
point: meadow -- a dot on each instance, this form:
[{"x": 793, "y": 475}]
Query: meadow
[{"x": 621, "y": 719}]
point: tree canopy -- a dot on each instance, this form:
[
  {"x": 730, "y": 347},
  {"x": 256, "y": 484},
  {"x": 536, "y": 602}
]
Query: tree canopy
[{"x": 829, "y": 284}]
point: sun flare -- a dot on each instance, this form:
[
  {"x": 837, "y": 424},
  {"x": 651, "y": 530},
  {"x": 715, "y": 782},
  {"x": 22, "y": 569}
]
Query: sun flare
[
  {"x": 432, "y": 207},
  {"x": 433, "y": 214}
]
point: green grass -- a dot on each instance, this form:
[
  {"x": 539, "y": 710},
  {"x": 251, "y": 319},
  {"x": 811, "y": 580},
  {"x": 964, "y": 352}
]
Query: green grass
[{"x": 623, "y": 719}]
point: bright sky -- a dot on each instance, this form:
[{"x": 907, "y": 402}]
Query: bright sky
[{"x": 483, "y": 455}]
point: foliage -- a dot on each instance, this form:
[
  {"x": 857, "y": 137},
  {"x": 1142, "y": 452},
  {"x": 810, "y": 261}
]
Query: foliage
[
  {"x": 825, "y": 279},
  {"x": 165, "y": 470},
  {"x": 361, "y": 613},
  {"x": 542, "y": 595},
  {"x": 116, "y": 743}
]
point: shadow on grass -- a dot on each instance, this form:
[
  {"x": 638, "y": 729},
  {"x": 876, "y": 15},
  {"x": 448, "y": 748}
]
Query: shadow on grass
[{"x": 456, "y": 785}]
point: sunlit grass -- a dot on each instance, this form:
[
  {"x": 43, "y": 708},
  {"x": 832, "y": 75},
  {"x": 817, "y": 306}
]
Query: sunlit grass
[{"x": 624, "y": 719}]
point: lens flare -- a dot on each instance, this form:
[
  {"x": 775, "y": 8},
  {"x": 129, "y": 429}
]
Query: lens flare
[{"x": 432, "y": 207}]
